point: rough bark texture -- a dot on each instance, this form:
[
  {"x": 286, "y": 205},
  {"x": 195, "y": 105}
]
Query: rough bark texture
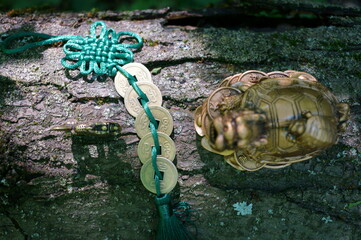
[{"x": 57, "y": 186}]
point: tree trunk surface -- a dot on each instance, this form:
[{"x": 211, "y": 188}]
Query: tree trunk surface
[{"x": 58, "y": 186}]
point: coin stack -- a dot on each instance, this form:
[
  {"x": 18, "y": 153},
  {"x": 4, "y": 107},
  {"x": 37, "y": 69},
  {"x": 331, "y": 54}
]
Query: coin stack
[
  {"x": 225, "y": 98},
  {"x": 167, "y": 150}
]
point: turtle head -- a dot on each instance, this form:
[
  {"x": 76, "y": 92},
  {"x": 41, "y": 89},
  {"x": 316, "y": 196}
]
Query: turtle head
[{"x": 238, "y": 129}]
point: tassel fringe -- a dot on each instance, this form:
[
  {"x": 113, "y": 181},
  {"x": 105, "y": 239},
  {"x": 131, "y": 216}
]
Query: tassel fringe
[{"x": 169, "y": 226}]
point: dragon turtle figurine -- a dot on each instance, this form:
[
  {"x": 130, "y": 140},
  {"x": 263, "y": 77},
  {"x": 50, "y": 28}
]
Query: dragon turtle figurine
[{"x": 270, "y": 120}]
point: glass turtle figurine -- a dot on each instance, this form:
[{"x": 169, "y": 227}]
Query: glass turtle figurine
[{"x": 270, "y": 120}]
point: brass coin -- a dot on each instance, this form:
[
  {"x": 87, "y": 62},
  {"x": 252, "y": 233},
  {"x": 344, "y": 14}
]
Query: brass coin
[
  {"x": 206, "y": 124},
  {"x": 203, "y": 114},
  {"x": 232, "y": 161},
  {"x": 286, "y": 161},
  {"x": 132, "y": 103},
  {"x": 303, "y": 76},
  {"x": 234, "y": 79},
  {"x": 225, "y": 82},
  {"x": 247, "y": 163},
  {"x": 169, "y": 173},
  {"x": 161, "y": 115},
  {"x": 217, "y": 98},
  {"x": 207, "y": 146},
  {"x": 252, "y": 76},
  {"x": 276, "y": 166},
  {"x": 165, "y": 142},
  {"x": 204, "y": 108},
  {"x": 198, "y": 121},
  {"x": 277, "y": 74},
  {"x": 290, "y": 71},
  {"x": 136, "y": 69}
]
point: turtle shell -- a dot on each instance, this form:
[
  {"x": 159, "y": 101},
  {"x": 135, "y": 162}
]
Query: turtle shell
[{"x": 285, "y": 100}]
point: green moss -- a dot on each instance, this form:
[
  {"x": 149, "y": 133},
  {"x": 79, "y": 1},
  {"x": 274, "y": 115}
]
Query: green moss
[
  {"x": 155, "y": 71},
  {"x": 151, "y": 43},
  {"x": 350, "y": 205}
]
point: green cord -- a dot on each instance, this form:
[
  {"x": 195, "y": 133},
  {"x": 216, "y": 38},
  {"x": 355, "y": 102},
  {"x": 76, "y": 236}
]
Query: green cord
[
  {"x": 104, "y": 55},
  {"x": 101, "y": 54},
  {"x": 153, "y": 129},
  {"x": 49, "y": 39}
]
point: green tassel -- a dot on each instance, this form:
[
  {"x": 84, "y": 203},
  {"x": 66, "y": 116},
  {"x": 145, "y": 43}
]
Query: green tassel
[{"x": 169, "y": 226}]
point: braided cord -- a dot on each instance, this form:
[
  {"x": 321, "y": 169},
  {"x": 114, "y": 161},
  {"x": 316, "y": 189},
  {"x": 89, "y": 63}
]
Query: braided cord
[
  {"x": 153, "y": 125},
  {"x": 102, "y": 54},
  {"x": 48, "y": 39}
]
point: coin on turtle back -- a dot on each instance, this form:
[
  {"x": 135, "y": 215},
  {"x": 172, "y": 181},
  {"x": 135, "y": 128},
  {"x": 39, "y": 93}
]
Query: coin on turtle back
[{"x": 217, "y": 98}]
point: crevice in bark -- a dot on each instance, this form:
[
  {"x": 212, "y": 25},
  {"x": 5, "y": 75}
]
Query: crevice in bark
[
  {"x": 209, "y": 59},
  {"x": 200, "y": 60},
  {"x": 185, "y": 103},
  {"x": 134, "y": 15},
  {"x": 16, "y": 224},
  {"x": 314, "y": 207},
  {"x": 261, "y": 16},
  {"x": 233, "y": 19},
  {"x": 98, "y": 100},
  {"x": 173, "y": 62}
]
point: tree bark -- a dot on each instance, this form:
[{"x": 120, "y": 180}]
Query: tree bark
[{"x": 58, "y": 186}]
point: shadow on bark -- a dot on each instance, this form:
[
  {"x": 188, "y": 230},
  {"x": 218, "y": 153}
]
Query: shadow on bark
[{"x": 100, "y": 157}]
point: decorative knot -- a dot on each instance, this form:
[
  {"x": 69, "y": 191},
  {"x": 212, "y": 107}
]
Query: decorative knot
[{"x": 100, "y": 54}]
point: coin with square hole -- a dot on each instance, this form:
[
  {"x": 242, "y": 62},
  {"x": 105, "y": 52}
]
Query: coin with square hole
[
  {"x": 132, "y": 100},
  {"x": 161, "y": 115},
  {"x": 167, "y": 147},
  {"x": 136, "y": 69},
  {"x": 169, "y": 175}
]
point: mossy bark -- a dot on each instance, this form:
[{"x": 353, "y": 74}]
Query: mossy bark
[{"x": 57, "y": 186}]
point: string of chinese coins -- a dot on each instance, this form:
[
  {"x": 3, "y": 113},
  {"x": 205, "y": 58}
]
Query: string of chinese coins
[
  {"x": 165, "y": 147},
  {"x": 107, "y": 54}
]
